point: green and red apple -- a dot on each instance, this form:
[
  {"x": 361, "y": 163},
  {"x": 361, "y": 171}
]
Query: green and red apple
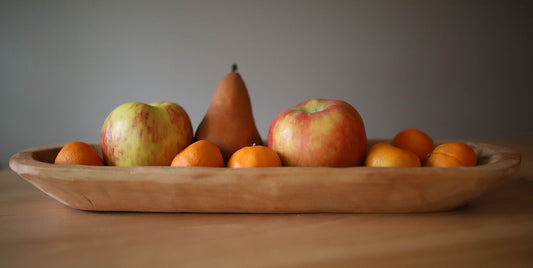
[
  {"x": 139, "y": 134},
  {"x": 319, "y": 132}
]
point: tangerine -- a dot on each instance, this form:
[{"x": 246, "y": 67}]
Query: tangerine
[
  {"x": 202, "y": 153},
  {"x": 78, "y": 153},
  {"x": 416, "y": 141},
  {"x": 386, "y": 155},
  {"x": 254, "y": 156},
  {"x": 452, "y": 155}
]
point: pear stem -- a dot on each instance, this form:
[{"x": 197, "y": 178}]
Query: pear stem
[{"x": 234, "y": 67}]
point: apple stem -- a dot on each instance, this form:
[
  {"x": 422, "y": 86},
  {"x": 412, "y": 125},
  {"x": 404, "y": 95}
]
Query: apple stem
[{"x": 234, "y": 67}]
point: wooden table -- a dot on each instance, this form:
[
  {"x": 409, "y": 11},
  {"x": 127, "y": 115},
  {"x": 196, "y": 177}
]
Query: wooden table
[{"x": 495, "y": 230}]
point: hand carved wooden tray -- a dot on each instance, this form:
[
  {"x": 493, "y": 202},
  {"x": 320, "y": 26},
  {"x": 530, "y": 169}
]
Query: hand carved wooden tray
[{"x": 265, "y": 190}]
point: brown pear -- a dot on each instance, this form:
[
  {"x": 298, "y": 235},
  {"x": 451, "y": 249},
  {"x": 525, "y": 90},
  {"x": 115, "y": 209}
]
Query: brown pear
[{"x": 229, "y": 121}]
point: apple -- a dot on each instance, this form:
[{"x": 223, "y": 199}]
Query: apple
[
  {"x": 139, "y": 134},
  {"x": 319, "y": 132}
]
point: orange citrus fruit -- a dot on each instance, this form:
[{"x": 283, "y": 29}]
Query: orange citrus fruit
[
  {"x": 415, "y": 141},
  {"x": 78, "y": 153},
  {"x": 386, "y": 155},
  {"x": 254, "y": 156},
  {"x": 452, "y": 155},
  {"x": 202, "y": 153}
]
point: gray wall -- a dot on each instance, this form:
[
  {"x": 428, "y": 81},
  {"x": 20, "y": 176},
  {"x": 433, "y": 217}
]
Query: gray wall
[{"x": 455, "y": 69}]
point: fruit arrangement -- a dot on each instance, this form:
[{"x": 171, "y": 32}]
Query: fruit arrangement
[
  {"x": 315, "y": 133},
  {"x": 159, "y": 151}
]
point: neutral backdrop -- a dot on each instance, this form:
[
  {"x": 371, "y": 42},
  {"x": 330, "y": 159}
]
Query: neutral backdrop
[{"x": 455, "y": 69}]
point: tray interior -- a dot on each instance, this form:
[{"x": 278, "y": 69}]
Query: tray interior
[{"x": 484, "y": 155}]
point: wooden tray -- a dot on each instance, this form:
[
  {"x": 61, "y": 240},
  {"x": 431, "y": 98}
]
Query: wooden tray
[{"x": 265, "y": 190}]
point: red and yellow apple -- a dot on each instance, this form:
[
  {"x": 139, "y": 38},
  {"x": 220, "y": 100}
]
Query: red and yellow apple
[
  {"x": 318, "y": 132},
  {"x": 139, "y": 134}
]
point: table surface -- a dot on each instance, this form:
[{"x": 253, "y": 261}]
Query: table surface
[{"x": 495, "y": 230}]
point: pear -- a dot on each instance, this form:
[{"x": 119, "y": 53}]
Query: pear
[{"x": 229, "y": 121}]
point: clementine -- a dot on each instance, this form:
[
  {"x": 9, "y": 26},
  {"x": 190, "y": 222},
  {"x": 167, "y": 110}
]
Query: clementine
[
  {"x": 254, "y": 156},
  {"x": 78, "y": 153},
  {"x": 452, "y": 155},
  {"x": 416, "y": 141},
  {"x": 386, "y": 155},
  {"x": 202, "y": 153}
]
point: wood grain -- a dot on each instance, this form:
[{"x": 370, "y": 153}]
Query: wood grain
[
  {"x": 495, "y": 230},
  {"x": 266, "y": 190}
]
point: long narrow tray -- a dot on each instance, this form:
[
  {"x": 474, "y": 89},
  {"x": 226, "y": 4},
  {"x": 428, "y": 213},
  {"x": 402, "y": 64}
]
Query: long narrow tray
[{"x": 265, "y": 190}]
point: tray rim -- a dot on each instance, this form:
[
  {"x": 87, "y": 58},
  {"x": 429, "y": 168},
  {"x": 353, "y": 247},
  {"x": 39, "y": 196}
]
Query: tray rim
[{"x": 25, "y": 158}]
